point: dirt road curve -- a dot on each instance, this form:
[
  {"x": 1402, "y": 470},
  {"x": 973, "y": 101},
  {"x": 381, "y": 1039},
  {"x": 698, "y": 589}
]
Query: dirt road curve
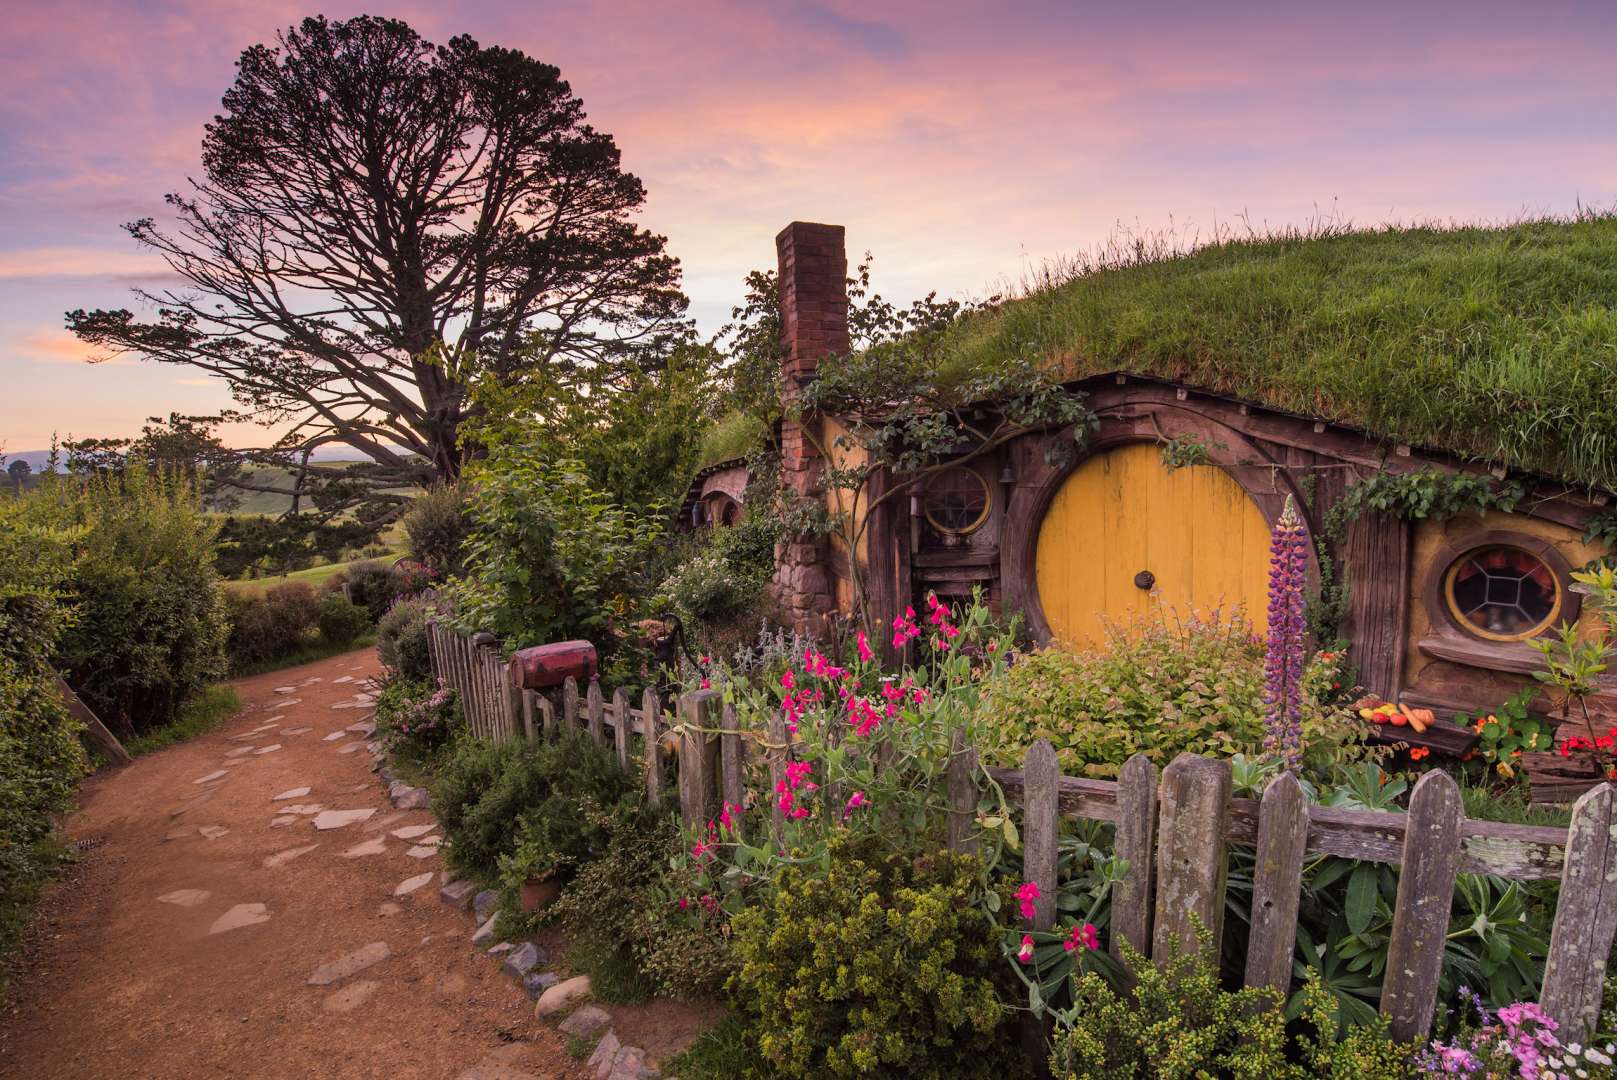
[{"x": 182, "y": 947}]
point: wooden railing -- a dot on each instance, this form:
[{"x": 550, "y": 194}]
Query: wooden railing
[{"x": 1174, "y": 829}]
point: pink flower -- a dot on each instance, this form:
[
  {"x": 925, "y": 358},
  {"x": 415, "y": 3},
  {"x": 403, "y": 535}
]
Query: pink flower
[
  {"x": 865, "y": 654},
  {"x": 787, "y": 680},
  {"x": 855, "y": 801},
  {"x": 1025, "y": 953},
  {"x": 1028, "y": 893},
  {"x": 706, "y": 685},
  {"x": 727, "y": 818},
  {"x": 684, "y": 903},
  {"x": 1082, "y": 937},
  {"x": 702, "y": 851}
]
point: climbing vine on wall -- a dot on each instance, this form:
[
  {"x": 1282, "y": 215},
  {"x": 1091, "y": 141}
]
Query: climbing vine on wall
[{"x": 1427, "y": 495}]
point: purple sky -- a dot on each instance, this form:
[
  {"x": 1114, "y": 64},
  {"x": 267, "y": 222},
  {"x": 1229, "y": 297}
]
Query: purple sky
[{"x": 960, "y": 143}]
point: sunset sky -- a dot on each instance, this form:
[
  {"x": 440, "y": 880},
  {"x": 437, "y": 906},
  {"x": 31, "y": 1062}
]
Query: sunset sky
[{"x": 961, "y": 143}]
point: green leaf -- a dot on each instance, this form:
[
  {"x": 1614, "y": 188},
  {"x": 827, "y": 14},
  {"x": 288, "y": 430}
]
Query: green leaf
[{"x": 1362, "y": 892}]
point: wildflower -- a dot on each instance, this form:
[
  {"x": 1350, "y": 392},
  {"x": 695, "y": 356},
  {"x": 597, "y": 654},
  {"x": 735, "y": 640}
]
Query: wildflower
[
  {"x": 855, "y": 801},
  {"x": 1283, "y": 663},
  {"x": 706, "y": 685},
  {"x": 787, "y": 679},
  {"x": 865, "y": 654},
  {"x": 1025, "y": 953},
  {"x": 1082, "y": 937},
  {"x": 1028, "y": 893},
  {"x": 1418, "y": 752}
]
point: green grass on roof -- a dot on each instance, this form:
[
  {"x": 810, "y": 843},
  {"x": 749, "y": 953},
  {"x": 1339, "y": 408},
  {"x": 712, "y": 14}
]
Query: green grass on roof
[
  {"x": 1495, "y": 343},
  {"x": 733, "y": 435}
]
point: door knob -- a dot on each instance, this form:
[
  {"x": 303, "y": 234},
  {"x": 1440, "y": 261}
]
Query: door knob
[{"x": 1145, "y": 579}]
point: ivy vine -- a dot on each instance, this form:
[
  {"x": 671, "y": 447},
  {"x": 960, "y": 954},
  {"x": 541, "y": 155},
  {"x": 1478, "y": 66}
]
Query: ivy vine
[{"x": 1427, "y": 495}]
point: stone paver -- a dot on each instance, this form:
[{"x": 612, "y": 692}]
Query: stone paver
[
  {"x": 334, "y": 736},
  {"x": 213, "y": 832},
  {"x": 291, "y": 793},
  {"x": 350, "y": 997},
  {"x": 306, "y": 809},
  {"x": 239, "y": 916},
  {"x": 410, "y": 832},
  {"x": 281, "y": 858},
  {"x": 185, "y": 897},
  {"x": 241, "y": 751},
  {"x": 286, "y": 689},
  {"x": 606, "y": 1053},
  {"x": 283, "y": 821},
  {"x": 484, "y": 903},
  {"x": 297, "y": 731},
  {"x": 351, "y": 964},
  {"x": 563, "y": 996},
  {"x": 485, "y": 933},
  {"x": 210, "y": 778},
  {"x": 337, "y": 819},
  {"x": 411, "y": 884},
  {"x": 419, "y": 852},
  {"x": 587, "y": 1021},
  {"x": 523, "y": 959},
  {"x": 183, "y": 832},
  {"x": 369, "y": 847},
  {"x": 350, "y": 748},
  {"x": 458, "y": 894},
  {"x": 267, "y": 749}
]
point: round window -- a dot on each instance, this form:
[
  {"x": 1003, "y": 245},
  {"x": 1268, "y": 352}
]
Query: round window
[
  {"x": 957, "y": 501},
  {"x": 1502, "y": 593}
]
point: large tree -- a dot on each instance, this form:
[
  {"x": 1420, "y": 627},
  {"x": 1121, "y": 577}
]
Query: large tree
[{"x": 383, "y": 223}]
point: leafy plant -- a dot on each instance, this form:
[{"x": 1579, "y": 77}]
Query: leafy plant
[
  {"x": 401, "y": 641},
  {"x": 435, "y": 526},
  {"x": 1505, "y": 734},
  {"x": 340, "y": 621},
  {"x": 414, "y": 719}
]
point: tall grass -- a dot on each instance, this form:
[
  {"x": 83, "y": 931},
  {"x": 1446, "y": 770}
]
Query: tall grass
[{"x": 1493, "y": 342}]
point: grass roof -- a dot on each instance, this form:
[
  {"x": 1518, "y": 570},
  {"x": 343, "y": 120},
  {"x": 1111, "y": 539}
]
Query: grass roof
[{"x": 1494, "y": 343}]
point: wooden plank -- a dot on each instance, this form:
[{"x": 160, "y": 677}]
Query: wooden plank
[
  {"x": 93, "y": 727},
  {"x": 569, "y": 705},
  {"x": 1041, "y": 827},
  {"x": 1420, "y": 918},
  {"x": 1277, "y": 881},
  {"x": 530, "y": 729},
  {"x": 1378, "y": 551},
  {"x": 1194, "y": 798},
  {"x": 698, "y": 758},
  {"x": 597, "y": 713},
  {"x": 620, "y": 727},
  {"x": 961, "y": 778},
  {"x": 731, "y": 753},
  {"x": 1134, "y": 840},
  {"x": 1585, "y": 919},
  {"x": 650, "y": 708}
]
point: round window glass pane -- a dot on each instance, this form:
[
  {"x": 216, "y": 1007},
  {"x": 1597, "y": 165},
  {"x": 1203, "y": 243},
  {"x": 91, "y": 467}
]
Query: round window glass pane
[
  {"x": 956, "y": 501},
  {"x": 1503, "y": 593}
]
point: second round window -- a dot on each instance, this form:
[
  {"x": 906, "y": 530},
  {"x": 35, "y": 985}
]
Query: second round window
[{"x": 1502, "y": 593}]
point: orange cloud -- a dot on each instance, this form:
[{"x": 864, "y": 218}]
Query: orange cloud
[{"x": 60, "y": 347}]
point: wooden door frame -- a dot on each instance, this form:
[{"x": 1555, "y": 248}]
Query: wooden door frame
[{"x": 1266, "y": 481}]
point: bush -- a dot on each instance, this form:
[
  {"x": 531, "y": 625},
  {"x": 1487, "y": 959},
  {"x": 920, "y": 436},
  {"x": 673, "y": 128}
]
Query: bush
[
  {"x": 415, "y": 719},
  {"x": 1179, "y": 1023},
  {"x": 149, "y": 620},
  {"x": 340, "y": 620},
  {"x": 879, "y": 965},
  {"x": 436, "y": 527},
  {"x": 1159, "y": 688},
  {"x": 271, "y": 625},
  {"x": 401, "y": 641},
  {"x": 373, "y": 586}
]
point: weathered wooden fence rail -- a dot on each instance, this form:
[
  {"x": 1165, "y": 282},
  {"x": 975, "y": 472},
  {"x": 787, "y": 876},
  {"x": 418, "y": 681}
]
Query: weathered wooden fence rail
[{"x": 1174, "y": 829}]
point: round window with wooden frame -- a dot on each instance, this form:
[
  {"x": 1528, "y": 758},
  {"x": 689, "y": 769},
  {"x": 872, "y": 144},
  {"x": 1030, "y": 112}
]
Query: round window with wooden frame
[
  {"x": 957, "y": 501},
  {"x": 1502, "y": 593}
]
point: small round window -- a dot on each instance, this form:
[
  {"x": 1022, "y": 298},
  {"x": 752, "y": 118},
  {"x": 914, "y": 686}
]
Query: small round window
[
  {"x": 957, "y": 501},
  {"x": 1502, "y": 593}
]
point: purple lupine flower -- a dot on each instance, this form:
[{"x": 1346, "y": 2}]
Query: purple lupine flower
[{"x": 1283, "y": 664}]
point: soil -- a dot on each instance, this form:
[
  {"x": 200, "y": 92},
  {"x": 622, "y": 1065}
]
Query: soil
[{"x": 117, "y": 982}]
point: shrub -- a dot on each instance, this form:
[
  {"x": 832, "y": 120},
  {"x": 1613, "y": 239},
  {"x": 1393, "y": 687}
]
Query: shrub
[
  {"x": 373, "y": 586},
  {"x": 340, "y": 620},
  {"x": 401, "y": 641},
  {"x": 1179, "y": 1023},
  {"x": 271, "y": 625},
  {"x": 877, "y": 965},
  {"x": 414, "y": 719},
  {"x": 436, "y": 527},
  {"x": 1159, "y": 688},
  {"x": 471, "y": 769}
]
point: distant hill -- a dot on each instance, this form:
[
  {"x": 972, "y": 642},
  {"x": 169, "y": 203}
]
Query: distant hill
[{"x": 325, "y": 455}]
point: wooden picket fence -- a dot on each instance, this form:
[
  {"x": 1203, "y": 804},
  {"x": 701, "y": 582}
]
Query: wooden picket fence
[{"x": 1175, "y": 830}]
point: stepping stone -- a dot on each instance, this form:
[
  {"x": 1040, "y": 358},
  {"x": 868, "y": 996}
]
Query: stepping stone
[
  {"x": 410, "y": 832},
  {"x": 343, "y": 679},
  {"x": 350, "y": 997},
  {"x": 387, "y": 909},
  {"x": 535, "y": 983},
  {"x": 200, "y": 796},
  {"x": 334, "y": 736},
  {"x": 297, "y": 731},
  {"x": 239, "y": 916},
  {"x": 336, "y": 819},
  {"x": 606, "y": 1053},
  {"x": 291, "y": 793},
  {"x": 183, "y": 833},
  {"x": 384, "y": 821},
  {"x": 283, "y": 821},
  {"x": 267, "y": 749},
  {"x": 458, "y": 894},
  {"x": 312, "y": 679},
  {"x": 185, "y": 897},
  {"x": 484, "y": 903},
  {"x": 369, "y": 847},
  {"x": 352, "y": 964},
  {"x": 275, "y": 719},
  {"x": 562, "y": 996},
  {"x": 361, "y": 729},
  {"x": 411, "y": 884},
  {"x": 501, "y": 949},
  {"x": 419, "y": 852},
  {"x": 484, "y": 936},
  {"x": 406, "y": 797},
  {"x": 523, "y": 959},
  {"x": 210, "y": 778},
  {"x": 281, "y": 858},
  {"x": 241, "y": 751},
  {"x": 213, "y": 832},
  {"x": 630, "y": 1064},
  {"x": 286, "y": 689},
  {"x": 291, "y": 701},
  {"x": 304, "y": 809},
  {"x": 355, "y": 790},
  {"x": 350, "y": 748},
  {"x": 587, "y": 1021}
]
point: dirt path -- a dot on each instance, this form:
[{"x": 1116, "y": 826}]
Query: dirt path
[{"x": 131, "y": 976}]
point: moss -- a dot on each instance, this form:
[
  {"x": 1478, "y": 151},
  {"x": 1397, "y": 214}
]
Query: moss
[{"x": 1494, "y": 343}]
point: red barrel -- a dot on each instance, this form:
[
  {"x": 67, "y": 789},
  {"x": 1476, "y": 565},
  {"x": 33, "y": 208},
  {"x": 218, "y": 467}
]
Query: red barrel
[{"x": 545, "y": 666}]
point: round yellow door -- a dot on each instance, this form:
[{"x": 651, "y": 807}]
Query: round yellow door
[{"x": 1125, "y": 537}]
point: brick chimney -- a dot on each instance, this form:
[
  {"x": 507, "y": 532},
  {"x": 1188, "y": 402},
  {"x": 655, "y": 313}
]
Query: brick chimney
[{"x": 814, "y": 323}]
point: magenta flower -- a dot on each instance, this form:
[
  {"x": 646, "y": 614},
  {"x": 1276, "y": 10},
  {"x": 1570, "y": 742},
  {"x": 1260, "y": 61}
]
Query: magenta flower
[
  {"x": 865, "y": 654},
  {"x": 1025, "y": 953},
  {"x": 1027, "y": 894},
  {"x": 855, "y": 801},
  {"x": 1082, "y": 937}
]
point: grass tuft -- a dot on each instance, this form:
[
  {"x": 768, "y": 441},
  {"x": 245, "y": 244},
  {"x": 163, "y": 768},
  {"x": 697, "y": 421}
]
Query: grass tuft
[
  {"x": 198, "y": 716},
  {"x": 722, "y": 1052}
]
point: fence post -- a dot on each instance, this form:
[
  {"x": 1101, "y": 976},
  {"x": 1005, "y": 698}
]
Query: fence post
[
  {"x": 652, "y": 708},
  {"x": 569, "y": 705},
  {"x": 1134, "y": 841},
  {"x": 1420, "y": 919},
  {"x": 698, "y": 757},
  {"x": 730, "y": 754},
  {"x": 547, "y": 715},
  {"x": 961, "y": 779},
  {"x": 597, "y": 713},
  {"x": 432, "y": 650},
  {"x": 1585, "y": 918},
  {"x": 620, "y": 729},
  {"x": 1277, "y": 882},
  {"x": 1041, "y": 826},
  {"x": 462, "y": 652},
  {"x": 530, "y": 730},
  {"x": 1191, "y": 870}
]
